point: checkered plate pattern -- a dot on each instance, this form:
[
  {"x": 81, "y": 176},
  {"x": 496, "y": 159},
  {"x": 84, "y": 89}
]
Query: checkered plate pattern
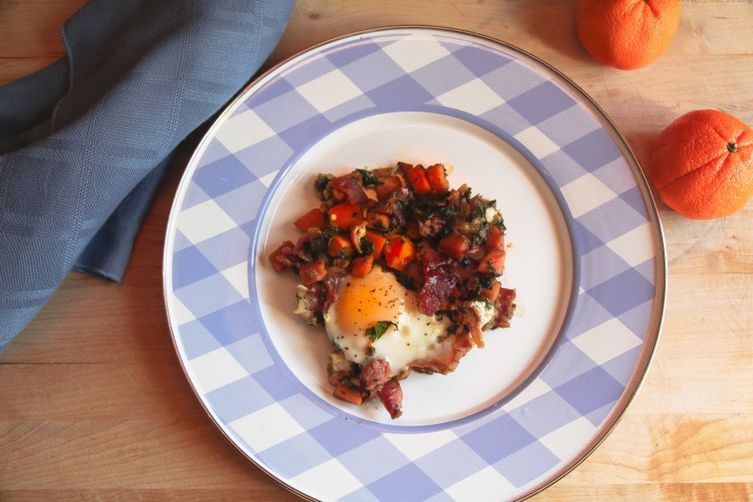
[{"x": 531, "y": 437}]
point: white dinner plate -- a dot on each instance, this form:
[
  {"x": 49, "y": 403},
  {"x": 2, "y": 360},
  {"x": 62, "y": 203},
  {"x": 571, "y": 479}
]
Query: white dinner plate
[{"x": 586, "y": 258}]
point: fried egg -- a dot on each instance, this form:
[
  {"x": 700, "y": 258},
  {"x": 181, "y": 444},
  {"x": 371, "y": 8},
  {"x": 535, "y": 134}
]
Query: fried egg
[{"x": 361, "y": 303}]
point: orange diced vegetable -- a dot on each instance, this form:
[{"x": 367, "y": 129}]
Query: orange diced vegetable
[
  {"x": 345, "y": 393},
  {"x": 454, "y": 245},
  {"x": 339, "y": 247},
  {"x": 437, "y": 178},
  {"x": 312, "y": 272},
  {"x": 493, "y": 262},
  {"x": 418, "y": 181},
  {"x": 491, "y": 293},
  {"x": 344, "y": 215},
  {"x": 398, "y": 252},
  {"x": 378, "y": 241},
  {"x": 312, "y": 219},
  {"x": 378, "y": 221},
  {"x": 389, "y": 185},
  {"x": 495, "y": 239},
  {"x": 362, "y": 266}
]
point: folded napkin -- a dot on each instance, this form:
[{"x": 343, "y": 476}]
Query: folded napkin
[{"x": 84, "y": 142}]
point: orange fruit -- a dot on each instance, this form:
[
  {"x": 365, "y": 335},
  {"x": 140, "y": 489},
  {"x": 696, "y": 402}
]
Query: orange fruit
[
  {"x": 627, "y": 34},
  {"x": 702, "y": 165}
]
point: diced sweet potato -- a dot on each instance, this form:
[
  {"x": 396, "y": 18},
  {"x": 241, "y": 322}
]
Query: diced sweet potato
[
  {"x": 492, "y": 292},
  {"x": 312, "y": 219},
  {"x": 495, "y": 239},
  {"x": 454, "y": 245},
  {"x": 398, "y": 252},
  {"x": 493, "y": 262},
  {"x": 345, "y": 215},
  {"x": 348, "y": 394},
  {"x": 362, "y": 266},
  {"x": 418, "y": 181},
  {"x": 378, "y": 241},
  {"x": 339, "y": 247},
  {"x": 437, "y": 178}
]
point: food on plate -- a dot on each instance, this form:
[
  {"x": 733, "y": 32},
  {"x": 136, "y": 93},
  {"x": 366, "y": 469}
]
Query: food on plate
[
  {"x": 402, "y": 272},
  {"x": 702, "y": 165},
  {"x": 627, "y": 34}
]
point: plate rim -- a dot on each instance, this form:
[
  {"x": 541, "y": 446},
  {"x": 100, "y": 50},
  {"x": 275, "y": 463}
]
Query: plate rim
[{"x": 656, "y": 321}]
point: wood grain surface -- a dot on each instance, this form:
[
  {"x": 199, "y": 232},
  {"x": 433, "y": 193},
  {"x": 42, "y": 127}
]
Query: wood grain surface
[{"x": 93, "y": 404}]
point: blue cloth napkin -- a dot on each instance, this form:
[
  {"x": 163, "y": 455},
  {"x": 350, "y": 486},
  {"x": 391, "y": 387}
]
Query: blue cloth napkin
[{"x": 85, "y": 142}]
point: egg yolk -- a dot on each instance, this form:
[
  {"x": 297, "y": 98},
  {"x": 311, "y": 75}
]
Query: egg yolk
[{"x": 364, "y": 302}]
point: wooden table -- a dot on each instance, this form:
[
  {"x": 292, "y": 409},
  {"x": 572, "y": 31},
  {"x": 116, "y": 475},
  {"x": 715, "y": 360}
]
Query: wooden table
[{"x": 93, "y": 403}]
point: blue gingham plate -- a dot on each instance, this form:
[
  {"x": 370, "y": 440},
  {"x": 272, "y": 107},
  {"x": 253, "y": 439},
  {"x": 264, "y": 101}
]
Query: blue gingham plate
[{"x": 586, "y": 257}]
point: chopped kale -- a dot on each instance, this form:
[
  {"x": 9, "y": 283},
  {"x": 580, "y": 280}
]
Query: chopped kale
[
  {"x": 367, "y": 247},
  {"x": 447, "y": 212},
  {"x": 319, "y": 245},
  {"x": 485, "y": 281},
  {"x": 368, "y": 178},
  {"x": 322, "y": 186},
  {"x": 477, "y": 213}
]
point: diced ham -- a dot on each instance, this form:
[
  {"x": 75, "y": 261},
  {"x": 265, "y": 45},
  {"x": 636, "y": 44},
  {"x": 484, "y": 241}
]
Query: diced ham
[
  {"x": 506, "y": 301},
  {"x": 391, "y": 396},
  {"x": 439, "y": 281},
  {"x": 374, "y": 373},
  {"x": 332, "y": 287},
  {"x": 282, "y": 257}
]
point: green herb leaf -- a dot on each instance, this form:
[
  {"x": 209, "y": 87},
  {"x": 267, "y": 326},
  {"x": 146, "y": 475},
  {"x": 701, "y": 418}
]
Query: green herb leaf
[
  {"x": 368, "y": 178},
  {"x": 485, "y": 281},
  {"x": 319, "y": 244},
  {"x": 367, "y": 247},
  {"x": 447, "y": 212},
  {"x": 321, "y": 184},
  {"x": 477, "y": 213},
  {"x": 380, "y": 328}
]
